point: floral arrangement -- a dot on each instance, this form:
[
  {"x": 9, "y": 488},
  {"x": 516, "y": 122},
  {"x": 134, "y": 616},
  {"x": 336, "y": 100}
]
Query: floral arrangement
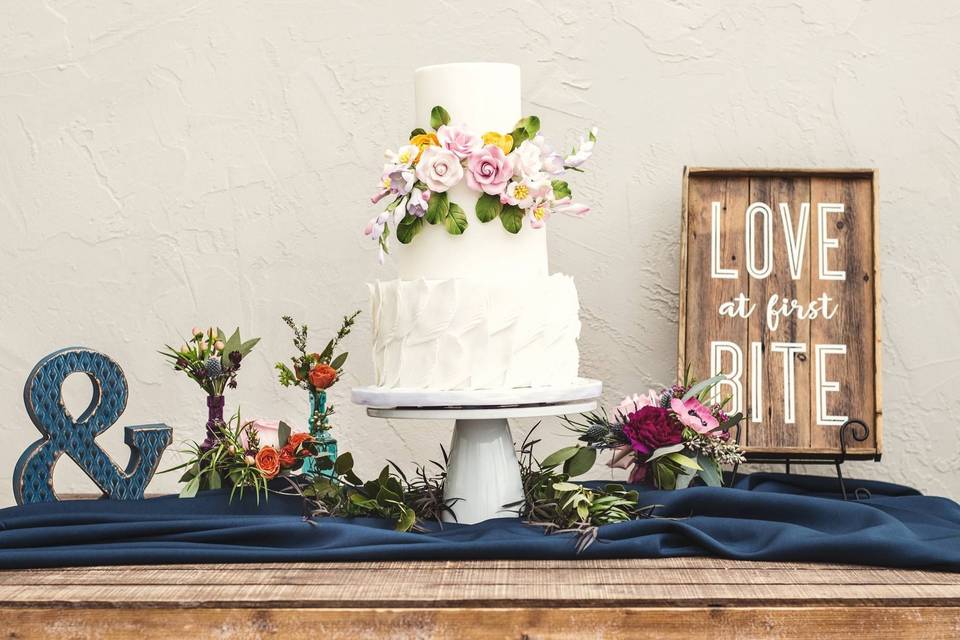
[
  {"x": 242, "y": 457},
  {"x": 518, "y": 175},
  {"x": 315, "y": 372},
  {"x": 210, "y": 358},
  {"x": 668, "y": 437}
]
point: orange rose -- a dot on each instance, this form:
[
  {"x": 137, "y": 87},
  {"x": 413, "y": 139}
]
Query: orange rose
[
  {"x": 297, "y": 439},
  {"x": 287, "y": 457},
  {"x": 323, "y": 376},
  {"x": 422, "y": 141},
  {"x": 268, "y": 462}
]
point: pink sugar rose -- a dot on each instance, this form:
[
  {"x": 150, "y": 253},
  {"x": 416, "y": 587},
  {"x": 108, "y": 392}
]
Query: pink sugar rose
[
  {"x": 489, "y": 170},
  {"x": 439, "y": 169},
  {"x": 459, "y": 140}
]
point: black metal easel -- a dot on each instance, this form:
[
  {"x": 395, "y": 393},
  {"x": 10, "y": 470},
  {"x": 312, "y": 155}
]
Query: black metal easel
[{"x": 857, "y": 429}]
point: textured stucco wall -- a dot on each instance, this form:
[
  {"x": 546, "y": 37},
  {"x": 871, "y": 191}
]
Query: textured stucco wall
[{"x": 166, "y": 164}]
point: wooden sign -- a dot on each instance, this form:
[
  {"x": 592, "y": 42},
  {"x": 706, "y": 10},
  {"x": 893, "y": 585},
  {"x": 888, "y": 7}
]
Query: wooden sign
[{"x": 779, "y": 292}]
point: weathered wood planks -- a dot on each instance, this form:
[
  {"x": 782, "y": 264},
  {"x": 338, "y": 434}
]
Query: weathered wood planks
[
  {"x": 784, "y": 235},
  {"x": 669, "y": 598}
]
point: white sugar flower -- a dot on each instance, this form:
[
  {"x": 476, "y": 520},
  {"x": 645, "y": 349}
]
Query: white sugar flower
[
  {"x": 583, "y": 152},
  {"x": 439, "y": 169},
  {"x": 550, "y": 161},
  {"x": 526, "y": 160},
  {"x": 538, "y": 213},
  {"x": 374, "y": 228},
  {"x": 404, "y": 156},
  {"x": 418, "y": 203},
  {"x": 524, "y": 192},
  {"x": 570, "y": 208}
]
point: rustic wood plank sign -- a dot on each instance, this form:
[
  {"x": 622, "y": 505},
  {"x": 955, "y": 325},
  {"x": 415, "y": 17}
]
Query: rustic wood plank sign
[{"x": 779, "y": 292}]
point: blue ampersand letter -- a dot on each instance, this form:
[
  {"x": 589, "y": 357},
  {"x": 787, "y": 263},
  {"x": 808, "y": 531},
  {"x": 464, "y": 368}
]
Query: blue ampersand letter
[{"x": 42, "y": 395}]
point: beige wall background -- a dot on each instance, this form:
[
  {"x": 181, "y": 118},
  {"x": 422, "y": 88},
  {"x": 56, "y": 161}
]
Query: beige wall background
[{"x": 180, "y": 163}]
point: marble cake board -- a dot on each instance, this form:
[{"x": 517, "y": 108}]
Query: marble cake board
[{"x": 483, "y": 474}]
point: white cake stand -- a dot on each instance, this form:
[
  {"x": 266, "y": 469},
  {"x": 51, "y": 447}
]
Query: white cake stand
[{"x": 482, "y": 471}]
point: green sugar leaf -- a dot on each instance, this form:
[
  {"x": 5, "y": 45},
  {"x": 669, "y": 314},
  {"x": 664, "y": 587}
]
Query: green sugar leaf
[
  {"x": 408, "y": 228},
  {"x": 512, "y": 218},
  {"x": 530, "y": 125},
  {"x": 456, "y": 220},
  {"x": 437, "y": 208},
  {"x": 488, "y": 207},
  {"x": 438, "y": 117},
  {"x": 519, "y": 136}
]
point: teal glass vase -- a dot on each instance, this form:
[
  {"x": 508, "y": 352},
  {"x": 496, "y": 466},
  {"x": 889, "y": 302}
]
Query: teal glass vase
[{"x": 316, "y": 421}]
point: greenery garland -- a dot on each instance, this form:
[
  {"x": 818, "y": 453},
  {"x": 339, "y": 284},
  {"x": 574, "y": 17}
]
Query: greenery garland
[{"x": 550, "y": 499}]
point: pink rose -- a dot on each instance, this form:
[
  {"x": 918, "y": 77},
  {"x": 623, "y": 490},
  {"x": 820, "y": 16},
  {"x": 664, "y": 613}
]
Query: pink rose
[
  {"x": 634, "y": 403},
  {"x": 624, "y": 457},
  {"x": 489, "y": 170},
  {"x": 268, "y": 432},
  {"x": 439, "y": 169},
  {"x": 459, "y": 140}
]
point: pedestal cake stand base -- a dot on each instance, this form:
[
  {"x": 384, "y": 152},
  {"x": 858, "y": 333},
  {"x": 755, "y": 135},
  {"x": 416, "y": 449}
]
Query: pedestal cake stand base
[{"x": 482, "y": 471}]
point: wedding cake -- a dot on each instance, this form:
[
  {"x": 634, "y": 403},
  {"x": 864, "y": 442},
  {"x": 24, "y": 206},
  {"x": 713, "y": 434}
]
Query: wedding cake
[{"x": 474, "y": 306}]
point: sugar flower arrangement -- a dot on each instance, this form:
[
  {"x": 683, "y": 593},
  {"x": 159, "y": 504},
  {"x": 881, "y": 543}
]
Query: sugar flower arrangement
[
  {"x": 667, "y": 438},
  {"x": 519, "y": 177}
]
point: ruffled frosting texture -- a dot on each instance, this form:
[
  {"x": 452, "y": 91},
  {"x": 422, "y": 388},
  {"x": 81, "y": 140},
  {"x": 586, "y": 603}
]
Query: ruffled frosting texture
[{"x": 464, "y": 333}]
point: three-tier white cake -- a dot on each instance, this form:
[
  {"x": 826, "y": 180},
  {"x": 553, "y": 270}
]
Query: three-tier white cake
[{"x": 478, "y": 310}]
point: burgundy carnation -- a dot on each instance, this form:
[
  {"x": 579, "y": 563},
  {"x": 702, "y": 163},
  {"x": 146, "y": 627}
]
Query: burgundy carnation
[{"x": 649, "y": 429}]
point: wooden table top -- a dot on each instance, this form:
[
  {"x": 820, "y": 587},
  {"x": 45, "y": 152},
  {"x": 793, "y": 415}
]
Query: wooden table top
[{"x": 671, "y": 598}]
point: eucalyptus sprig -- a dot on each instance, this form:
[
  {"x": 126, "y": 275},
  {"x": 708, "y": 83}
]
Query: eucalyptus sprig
[
  {"x": 553, "y": 502},
  {"x": 337, "y": 491}
]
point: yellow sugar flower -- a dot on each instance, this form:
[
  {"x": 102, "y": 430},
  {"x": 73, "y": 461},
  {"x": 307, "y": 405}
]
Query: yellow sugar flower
[
  {"x": 422, "y": 141},
  {"x": 502, "y": 140}
]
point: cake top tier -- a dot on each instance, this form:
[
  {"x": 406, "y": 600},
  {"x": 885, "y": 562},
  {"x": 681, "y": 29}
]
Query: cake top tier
[
  {"x": 475, "y": 182},
  {"x": 485, "y": 96}
]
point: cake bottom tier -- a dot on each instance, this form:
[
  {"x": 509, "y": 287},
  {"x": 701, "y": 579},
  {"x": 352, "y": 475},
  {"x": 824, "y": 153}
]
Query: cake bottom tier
[{"x": 467, "y": 333}]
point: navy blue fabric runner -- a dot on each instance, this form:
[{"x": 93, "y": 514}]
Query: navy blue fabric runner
[{"x": 765, "y": 517}]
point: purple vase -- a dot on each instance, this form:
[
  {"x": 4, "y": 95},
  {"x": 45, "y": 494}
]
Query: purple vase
[{"x": 214, "y": 420}]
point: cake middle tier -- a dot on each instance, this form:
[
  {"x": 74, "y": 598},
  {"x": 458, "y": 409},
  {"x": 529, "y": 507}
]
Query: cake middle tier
[{"x": 464, "y": 333}]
